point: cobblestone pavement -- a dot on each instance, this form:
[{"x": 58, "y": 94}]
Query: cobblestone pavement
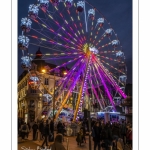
[{"x": 29, "y": 144}]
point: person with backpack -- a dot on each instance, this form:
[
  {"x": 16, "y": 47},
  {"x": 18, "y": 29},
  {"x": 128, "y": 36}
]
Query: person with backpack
[{"x": 24, "y": 130}]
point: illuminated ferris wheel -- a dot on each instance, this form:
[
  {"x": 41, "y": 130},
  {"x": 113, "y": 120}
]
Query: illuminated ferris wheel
[{"x": 77, "y": 34}]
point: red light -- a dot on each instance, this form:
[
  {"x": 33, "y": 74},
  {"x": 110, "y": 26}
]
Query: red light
[{"x": 34, "y": 37}]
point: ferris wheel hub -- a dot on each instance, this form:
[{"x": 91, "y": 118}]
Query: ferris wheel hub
[{"x": 87, "y": 48}]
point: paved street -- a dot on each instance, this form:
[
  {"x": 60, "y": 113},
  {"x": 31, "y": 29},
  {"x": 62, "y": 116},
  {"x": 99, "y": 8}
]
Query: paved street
[{"x": 29, "y": 144}]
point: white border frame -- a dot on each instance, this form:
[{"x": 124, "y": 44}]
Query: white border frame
[{"x": 5, "y": 38}]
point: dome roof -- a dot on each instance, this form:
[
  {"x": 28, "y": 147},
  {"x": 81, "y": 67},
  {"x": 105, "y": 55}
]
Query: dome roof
[{"x": 38, "y": 53}]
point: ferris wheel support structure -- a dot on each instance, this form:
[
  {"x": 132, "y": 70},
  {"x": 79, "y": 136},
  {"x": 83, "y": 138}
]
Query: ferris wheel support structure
[
  {"x": 69, "y": 91},
  {"x": 83, "y": 87}
]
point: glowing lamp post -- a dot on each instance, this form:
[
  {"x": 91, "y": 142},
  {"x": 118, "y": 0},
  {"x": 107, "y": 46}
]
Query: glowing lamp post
[{"x": 43, "y": 71}]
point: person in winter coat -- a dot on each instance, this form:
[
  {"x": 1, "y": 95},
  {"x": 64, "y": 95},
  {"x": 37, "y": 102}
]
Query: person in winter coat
[
  {"x": 57, "y": 145},
  {"x": 84, "y": 133},
  {"x": 106, "y": 136},
  {"x": 51, "y": 139},
  {"x": 96, "y": 135},
  {"x": 123, "y": 131},
  {"x": 129, "y": 136},
  {"x": 116, "y": 131},
  {"x": 29, "y": 126},
  {"x": 60, "y": 128},
  {"x": 41, "y": 128},
  {"x": 80, "y": 137},
  {"x": 34, "y": 127},
  {"x": 24, "y": 130},
  {"x": 45, "y": 134}
]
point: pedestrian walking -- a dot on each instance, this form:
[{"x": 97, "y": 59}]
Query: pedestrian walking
[
  {"x": 57, "y": 145},
  {"x": 24, "y": 130},
  {"x": 123, "y": 132},
  {"x": 96, "y": 133},
  {"x": 51, "y": 126},
  {"x": 45, "y": 134},
  {"x": 41, "y": 128},
  {"x": 35, "y": 128}
]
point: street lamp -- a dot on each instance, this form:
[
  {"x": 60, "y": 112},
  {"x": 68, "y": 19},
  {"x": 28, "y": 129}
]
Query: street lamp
[
  {"x": 65, "y": 73},
  {"x": 43, "y": 71}
]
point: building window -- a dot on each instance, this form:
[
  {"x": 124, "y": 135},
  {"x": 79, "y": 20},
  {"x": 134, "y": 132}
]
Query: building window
[
  {"x": 33, "y": 91},
  {"x": 46, "y": 81}
]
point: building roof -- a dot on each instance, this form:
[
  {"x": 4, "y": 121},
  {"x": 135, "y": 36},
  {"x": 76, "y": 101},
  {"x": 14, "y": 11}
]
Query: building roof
[{"x": 40, "y": 65}]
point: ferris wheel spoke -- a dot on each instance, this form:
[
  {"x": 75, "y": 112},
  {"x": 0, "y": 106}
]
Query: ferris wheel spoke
[
  {"x": 63, "y": 82},
  {"x": 64, "y": 64},
  {"x": 57, "y": 34},
  {"x": 61, "y": 28},
  {"x": 100, "y": 91},
  {"x": 110, "y": 79},
  {"x": 108, "y": 52},
  {"x": 91, "y": 32},
  {"x": 94, "y": 90},
  {"x": 54, "y": 49},
  {"x": 69, "y": 91},
  {"x": 111, "y": 59},
  {"x": 56, "y": 56},
  {"x": 103, "y": 46},
  {"x": 64, "y": 39},
  {"x": 105, "y": 86},
  {"x": 83, "y": 87},
  {"x": 97, "y": 41},
  {"x": 119, "y": 71},
  {"x": 53, "y": 42},
  {"x": 96, "y": 94},
  {"x": 68, "y": 26},
  {"x": 119, "y": 82}
]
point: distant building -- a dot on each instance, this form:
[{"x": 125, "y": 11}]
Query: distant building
[{"x": 30, "y": 101}]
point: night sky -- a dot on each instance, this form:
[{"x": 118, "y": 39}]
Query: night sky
[{"x": 117, "y": 12}]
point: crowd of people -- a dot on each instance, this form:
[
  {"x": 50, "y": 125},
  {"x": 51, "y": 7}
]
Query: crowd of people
[
  {"x": 103, "y": 134},
  {"x": 111, "y": 134}
]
